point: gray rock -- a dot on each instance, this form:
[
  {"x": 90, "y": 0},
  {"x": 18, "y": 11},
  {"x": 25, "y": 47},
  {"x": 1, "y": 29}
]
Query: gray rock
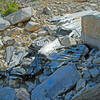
[
  {"x": 90, "y": 34},
  {"x": 80, "y": 84},
  {"x": 1, "y": 43},
  {"x": 96, "y": 60},
  {"x": 39, "y": 42},
  {"x": 18, "y": 71},
  {"x": 67, "y": 41},
  {"x": 32, "y": 26},
  {"x": 42, "y": 33},
  {"x": 7, "y": 93},
  {"x": 17, "y": 57},
  {"x": 50, "y": 47},
  {"x": 62, "y": 31},
  {"x": 51, "y": 29},
  {"x": 20, "y": 16},
  {"x": 4, "y": 24},
  {"x": 8, "y": 41},
  {"x": 89, "y": 94},
  {"x": 14, "y": 31},
  {"x": 9, "y": 53},
  {"x": 94, "y": 72},
  {"x": 57, "y": 83},
  {"x": 47, "y": 11}
]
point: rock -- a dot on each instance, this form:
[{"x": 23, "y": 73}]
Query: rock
[
  {"x": 90, "y": 34},
  {"x": 4, "y": 24},
  {"x": 3, "y": 65},
  {"x": 22, "y": 94},
  {"x": 20, "y": 16},
  {"x": 18, "y": 71},
  {"x": 1, "y": 44},
  {"x": 69, "y": 95},
  {"x": 80, "y": 84},
  {"x": 9, "y": 53},
  {"x": 97, "y": 54},
  {"x": 30, "y": 86},
  {"x": 67, "y": 41},
  {"x": 8, "y": 41},
  {"x": 14, "y": 83},
  {"x": 39, "y": 42},
  {"x": 33, "y": 36},
  {"x": 32, "y": 26},
  {"x": 94, "y": 72},
  {"x": 62, "y": 31},
  {"x": 17, "y": 57},
  {"x": 7, "y": 93},
  {"x": 51, "y": 29},
  {"x": 89, "y": 94},
  {"x": 86, "y": 74},
  {"x": 57, "y": 83},
  {"x": 42, "y": 33},
  {"x": 14, "y": 31},
  {"x": 96, "y": 60},
  {"x": 42, "y": 78},
  {"x": 49, "y": 48},
  {"x": 47, "y": 11},
  {"x": 57, "y": 57}
]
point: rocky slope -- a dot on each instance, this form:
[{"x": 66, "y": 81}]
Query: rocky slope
[{"x": 45, "y": 53}]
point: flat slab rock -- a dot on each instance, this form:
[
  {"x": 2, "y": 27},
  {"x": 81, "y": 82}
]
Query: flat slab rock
[{"x": 61, "y": 80}]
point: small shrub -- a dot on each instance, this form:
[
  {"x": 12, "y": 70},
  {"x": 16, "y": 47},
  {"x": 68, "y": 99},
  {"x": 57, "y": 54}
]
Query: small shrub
[{"x": 9, "y": 7}]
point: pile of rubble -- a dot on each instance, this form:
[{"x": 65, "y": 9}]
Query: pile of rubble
[{"x": 60, "y": 61}]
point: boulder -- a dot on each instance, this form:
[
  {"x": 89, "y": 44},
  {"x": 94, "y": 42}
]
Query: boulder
[
  {"x": 20, "y": 16},
  {"x": 4, "y": 24},
  {"x": 61, "y": 80},
  {"x": 7, "y": 93},
  {"x": 91, "y": 30}
]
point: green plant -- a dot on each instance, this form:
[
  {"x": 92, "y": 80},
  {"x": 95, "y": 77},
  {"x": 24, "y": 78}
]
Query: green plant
[{"x": 9, "y": 7}]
